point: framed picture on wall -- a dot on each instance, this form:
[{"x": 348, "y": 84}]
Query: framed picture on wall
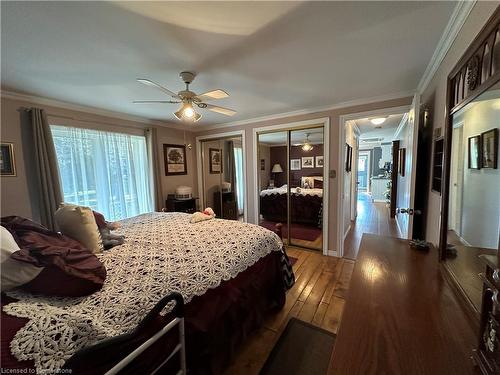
[
  {"x": 215, "y": 160},
  {"x": 489, "y": 152},
  {"x": 295, "y": 164},
  {"x": 307, "y": 161},
  {"x": 262, "y": 164},
  {"x": 348, "y": 158},
  {"x": 474, "y": 152},
  {"x": 319, "y": 161},
  {"x": 7, "y": 163},
  {"x": 175, "y": 159},
  {"x": 402, "y": 161}
]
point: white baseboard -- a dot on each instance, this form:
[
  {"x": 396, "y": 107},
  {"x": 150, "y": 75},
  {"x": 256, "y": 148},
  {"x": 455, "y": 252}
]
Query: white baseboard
[{"x": 332, "y": 253}]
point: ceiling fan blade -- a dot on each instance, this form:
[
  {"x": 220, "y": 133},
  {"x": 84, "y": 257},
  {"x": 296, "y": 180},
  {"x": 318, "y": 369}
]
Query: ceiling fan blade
[
  {"x": 155, "y": 101},
  {"x": 153, "y": 84},
  {"x": 214, "y": 94},
  {"x": 222, "y": 110}
]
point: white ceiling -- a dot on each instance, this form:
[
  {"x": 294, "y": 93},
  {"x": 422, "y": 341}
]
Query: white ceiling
[
  {"x": 272, "y": 57},
  {"x": 384, "y": 132}
]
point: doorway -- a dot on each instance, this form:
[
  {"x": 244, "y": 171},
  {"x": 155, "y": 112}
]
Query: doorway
[
  {"x": 363, "y": 172},
  {"x": 371, "y": 135},
  {"x": 291, "y": 182}
]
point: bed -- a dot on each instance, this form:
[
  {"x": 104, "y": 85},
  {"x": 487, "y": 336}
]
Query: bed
[
  {"x": 230, "y": 274},
  {"x": 306, "y": 205}
]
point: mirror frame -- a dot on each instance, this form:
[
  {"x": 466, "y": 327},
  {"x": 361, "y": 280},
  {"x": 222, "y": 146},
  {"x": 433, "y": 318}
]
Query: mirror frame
[{"x": 467, "y": 73}]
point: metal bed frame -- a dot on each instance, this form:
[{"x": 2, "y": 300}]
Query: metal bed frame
[{"x": 86, "y": 354}]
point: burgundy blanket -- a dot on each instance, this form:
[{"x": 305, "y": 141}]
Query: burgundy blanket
[
  {"x": 304, "y": 209},
  {"x": 69, "y": 268},
  {"x": 216, "y": 323}
]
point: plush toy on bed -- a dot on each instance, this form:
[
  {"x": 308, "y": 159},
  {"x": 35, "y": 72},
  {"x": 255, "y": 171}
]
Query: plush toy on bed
[
  {"x": 109, "y": 240},
  {"x": 202, "y": 216}
]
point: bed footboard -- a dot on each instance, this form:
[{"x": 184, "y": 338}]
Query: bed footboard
[{"x": 128, "y": 342}]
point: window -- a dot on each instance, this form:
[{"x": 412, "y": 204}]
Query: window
[{"x": 108, "y": 172}]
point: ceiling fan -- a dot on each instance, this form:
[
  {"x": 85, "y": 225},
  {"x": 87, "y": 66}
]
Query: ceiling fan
[{"x": 189, "y": 99}]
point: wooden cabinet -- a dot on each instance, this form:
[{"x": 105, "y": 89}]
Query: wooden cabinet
[
  {"x": 180, "y": 205},
  {"x": 228, "y": 208},
  {"x": 487, "y": 355}
]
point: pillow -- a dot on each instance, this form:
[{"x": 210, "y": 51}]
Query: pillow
[
  {"x": 318, "y": 184},
  {"x": 307, "y": 182},
  {"x": 68, "y": 269},
  {"x": 78, "y": 222},
  {"x": 14, "y": 273}
]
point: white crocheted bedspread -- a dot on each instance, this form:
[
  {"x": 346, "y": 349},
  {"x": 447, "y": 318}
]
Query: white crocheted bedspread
[
  {"x": 163, "y": 253},
  {"x": 298, "y": 191}
]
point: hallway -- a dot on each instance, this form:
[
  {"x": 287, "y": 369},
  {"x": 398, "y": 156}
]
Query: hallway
[{"x": 372, "y": 218}]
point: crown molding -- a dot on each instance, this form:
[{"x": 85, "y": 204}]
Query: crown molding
[
  {"x": 401, "y": 125},
  {"x": 453, "y": 27},
  {"x": 307, "y": 111},
  {"x": 86, "y": 109}
]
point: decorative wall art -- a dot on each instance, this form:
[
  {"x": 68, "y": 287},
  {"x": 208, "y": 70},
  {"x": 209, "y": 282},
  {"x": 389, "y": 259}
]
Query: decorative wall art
[
  {"x": 474, "y": 152},
  {"x": 175, "y": 159},
  {"x": 7, "y": 163},
  {"x": 215, "y": 160},
  {"x": 489, "y": 149}
]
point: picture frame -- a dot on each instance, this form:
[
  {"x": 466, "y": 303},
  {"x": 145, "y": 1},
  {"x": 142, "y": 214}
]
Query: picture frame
[
  {"x": 489, "y": 149},
  {"x": 307, "y": 161},
  {"x": 7, "y": 161},
  {"x": 215, "y": 161},
  {"x": 474, "y": 152},
  {"x": 175, "y": 159},
  {"x": 262, "y": 164},
  {"x": 402, "y": 161},
  {"x": 295, "y": 164},
  {"x": 348, "y": 157},
  {"x": 319, "y": 161}
]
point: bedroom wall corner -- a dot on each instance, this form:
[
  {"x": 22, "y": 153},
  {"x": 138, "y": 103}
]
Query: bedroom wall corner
[{"x": 434, "y": 99}]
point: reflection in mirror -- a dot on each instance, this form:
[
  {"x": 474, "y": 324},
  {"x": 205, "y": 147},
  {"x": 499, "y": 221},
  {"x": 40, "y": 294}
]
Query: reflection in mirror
[
  {"x": 291, "y": 184},
  {"x": 223, "y": 180},
  {"x": 474, "y": 198}
]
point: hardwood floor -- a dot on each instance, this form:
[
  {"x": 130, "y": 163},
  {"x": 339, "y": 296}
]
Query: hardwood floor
[
  {"x": 318, "y": 297},
  {"x": 372, "y": 218}
]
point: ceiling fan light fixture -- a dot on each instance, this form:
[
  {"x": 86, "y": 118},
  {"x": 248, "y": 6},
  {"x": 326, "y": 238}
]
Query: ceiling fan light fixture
[
  {"x": 378, "y": 120},
  {"x": 187, "y": 113},
  {"x": 307, "y": 146}
]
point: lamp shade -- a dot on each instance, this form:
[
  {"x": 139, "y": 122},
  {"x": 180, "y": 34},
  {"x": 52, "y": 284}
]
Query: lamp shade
[{"x": 277, "y": 168}]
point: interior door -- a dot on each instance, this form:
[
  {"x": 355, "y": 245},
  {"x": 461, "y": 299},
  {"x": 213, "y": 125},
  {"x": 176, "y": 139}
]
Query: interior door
[{"x": 407, "y": 171}]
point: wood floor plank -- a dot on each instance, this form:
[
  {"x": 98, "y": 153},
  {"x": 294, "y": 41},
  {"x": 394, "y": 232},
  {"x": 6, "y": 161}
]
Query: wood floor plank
[
  {"x": 333, "y": 314},
  {"x": 312, "y": 302},
  {"x": 319, "y": 315},
  {"x": 345, "y": 277}
]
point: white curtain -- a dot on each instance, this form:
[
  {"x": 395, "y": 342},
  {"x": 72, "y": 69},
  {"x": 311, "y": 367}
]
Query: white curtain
[
  {"x": 106, "y": 171},
  {"x": 238, "y": 166}
]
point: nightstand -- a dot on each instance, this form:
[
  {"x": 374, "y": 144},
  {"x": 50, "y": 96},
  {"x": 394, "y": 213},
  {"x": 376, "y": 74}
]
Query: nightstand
[{"x": 180, "y": 205}]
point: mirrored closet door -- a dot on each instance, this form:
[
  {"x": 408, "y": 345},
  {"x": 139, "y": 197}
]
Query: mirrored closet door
[
  {"x": 291, "y": 184},
  {"x": 222, "y": 177}
]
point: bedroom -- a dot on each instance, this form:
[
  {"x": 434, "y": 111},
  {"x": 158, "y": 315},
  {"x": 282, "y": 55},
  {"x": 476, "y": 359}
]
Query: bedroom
[{"x": 71, "y": 72}]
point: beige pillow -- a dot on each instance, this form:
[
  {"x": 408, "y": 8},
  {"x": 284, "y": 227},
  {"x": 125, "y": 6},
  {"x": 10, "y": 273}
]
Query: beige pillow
[
  {"x": 78, "y": 222},
  {"x": 14, "y": 273}
]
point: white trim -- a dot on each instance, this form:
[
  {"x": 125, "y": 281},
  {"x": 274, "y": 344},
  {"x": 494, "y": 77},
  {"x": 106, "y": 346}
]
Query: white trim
[
  {"x": 340, "y": 173},
  {"x": 331, "y": 253},
  {"x": 86, "y": 109},
  {"x": 199, "y": 150},
  {"x": 347, "y": 231},
  {"x": 325, "y": 122},
  {"x": 455, "y": 23},
  {"x": 306, "y": 111},
  {"x": 401, "y": 126}
]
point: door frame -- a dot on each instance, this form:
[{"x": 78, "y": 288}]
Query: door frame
[
  {"x": 325, "y": 121},
  {"x": 199, "y": 161},
  {"x": 341, "y": 162}
]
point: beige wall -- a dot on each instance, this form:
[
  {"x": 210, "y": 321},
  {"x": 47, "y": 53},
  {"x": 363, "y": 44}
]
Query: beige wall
[
  {"x": 434, "y": 96},
  {"x": 15, "y": 191},
  {"x": 334, "y": 116}
]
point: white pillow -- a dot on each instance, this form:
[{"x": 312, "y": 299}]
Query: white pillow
[
  {"x": 78, "y": 222},
  {"x": 14, "y": 272}
]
